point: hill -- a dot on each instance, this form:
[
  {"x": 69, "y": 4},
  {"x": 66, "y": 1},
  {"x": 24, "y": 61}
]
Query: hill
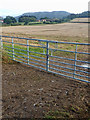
[
  {"x": 53, "y": 14},
  {"x": 84, "y": 14}
]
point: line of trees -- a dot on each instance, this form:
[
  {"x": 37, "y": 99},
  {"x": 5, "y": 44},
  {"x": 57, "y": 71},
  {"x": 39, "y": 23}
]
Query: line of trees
[
  {"x": 82, "y": 15},
  {"x": 9, "y": 20},
  {"x": 26, "y": 19},
  {"x": 30, "y": 20}
]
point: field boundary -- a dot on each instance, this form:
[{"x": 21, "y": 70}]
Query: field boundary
[{"x": 46, "y": 55}]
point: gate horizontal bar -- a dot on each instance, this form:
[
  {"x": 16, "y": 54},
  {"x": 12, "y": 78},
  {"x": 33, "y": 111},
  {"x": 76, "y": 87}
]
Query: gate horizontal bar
[{"x": 50, "y": 41}]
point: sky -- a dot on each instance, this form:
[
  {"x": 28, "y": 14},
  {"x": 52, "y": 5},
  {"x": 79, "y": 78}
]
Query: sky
[{"x": 18, "y": 7}]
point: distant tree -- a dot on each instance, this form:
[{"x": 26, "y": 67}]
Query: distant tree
[
  {"x": 9, "y": 20},
  {"x": 71, "y": 16},
  {"x": 26, "y": 23},
  {"x": 44, "y": 18},
  {"x": 57, "y": 20},
  {"x": 27, "y": 19},
  {"x": 85, "y": 14}
]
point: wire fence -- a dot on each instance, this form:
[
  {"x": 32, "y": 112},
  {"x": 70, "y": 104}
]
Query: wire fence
[{"x": 63, "y": 58}]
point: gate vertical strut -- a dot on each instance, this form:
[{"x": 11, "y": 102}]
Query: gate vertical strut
[
  {"x": 47, "y": 56},
  {"x": 28, "y": 50},
  {"x": 13, "y": 49},
  {"x": 75, "y": 62}
]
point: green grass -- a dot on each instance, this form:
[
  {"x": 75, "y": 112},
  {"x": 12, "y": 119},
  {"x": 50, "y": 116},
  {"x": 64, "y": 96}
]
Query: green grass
[
  {"x": 57, "y": 114},
  {"x": 66, "y": 113},
  {"x": 43, "y": 50},
  {"x": 5, "y": 57},
  {"x": 36, "y": 49},
  {"x": 23, "y": 48},
  {"x": 76, "y": 109},
  {"x": 21, "y": 53}
]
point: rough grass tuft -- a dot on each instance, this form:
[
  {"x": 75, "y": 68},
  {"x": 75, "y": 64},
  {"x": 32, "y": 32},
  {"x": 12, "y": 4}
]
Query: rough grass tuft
[{"x": 5, "y": 57}]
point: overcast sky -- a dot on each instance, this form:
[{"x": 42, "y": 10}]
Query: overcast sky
[{"x": 18, "y": 7}]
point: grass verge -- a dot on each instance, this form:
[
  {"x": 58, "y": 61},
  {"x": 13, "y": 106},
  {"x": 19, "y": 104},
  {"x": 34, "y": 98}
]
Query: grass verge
[{"x": 6, "y": 58}]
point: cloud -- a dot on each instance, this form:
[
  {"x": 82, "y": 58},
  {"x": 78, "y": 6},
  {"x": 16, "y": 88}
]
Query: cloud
[
  {"x": 6, "y": 12},
  {"x": 21, "y": 6}
]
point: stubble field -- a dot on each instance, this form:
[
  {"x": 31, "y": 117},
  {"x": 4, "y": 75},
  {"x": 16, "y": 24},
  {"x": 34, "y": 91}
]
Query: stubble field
[{"x": 60, "y": 32}]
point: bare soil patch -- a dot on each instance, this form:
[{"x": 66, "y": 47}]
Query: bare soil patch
[{"x": 31, "y": 93}]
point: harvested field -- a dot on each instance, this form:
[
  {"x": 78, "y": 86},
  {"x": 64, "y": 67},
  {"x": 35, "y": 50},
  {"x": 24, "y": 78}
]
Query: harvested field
[
  {"x": 55, "y": 32},
  {"x": 80, "y": 20}
]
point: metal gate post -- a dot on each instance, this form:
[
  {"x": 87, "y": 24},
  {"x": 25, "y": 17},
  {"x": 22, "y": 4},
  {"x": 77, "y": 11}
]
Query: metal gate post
[
  {"x": 75, "y": 62},
  {"x": 28, "y": 51},
  {"x": 47, "y": 56},
  {"x": 13, "y": 49},
  {"x": 1, "y": 42}
]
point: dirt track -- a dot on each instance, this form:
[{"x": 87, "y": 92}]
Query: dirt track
[{"x": 31, "y": 93}]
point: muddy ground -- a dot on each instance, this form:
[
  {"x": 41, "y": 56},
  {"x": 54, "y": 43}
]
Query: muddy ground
[{"x": 30, "y": 93}]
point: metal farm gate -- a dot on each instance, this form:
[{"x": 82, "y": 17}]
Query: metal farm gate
[{"x": 63, "y": 58}]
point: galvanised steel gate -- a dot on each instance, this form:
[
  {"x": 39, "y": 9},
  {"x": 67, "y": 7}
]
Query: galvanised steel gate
[{"x": 63, "y": 58}]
